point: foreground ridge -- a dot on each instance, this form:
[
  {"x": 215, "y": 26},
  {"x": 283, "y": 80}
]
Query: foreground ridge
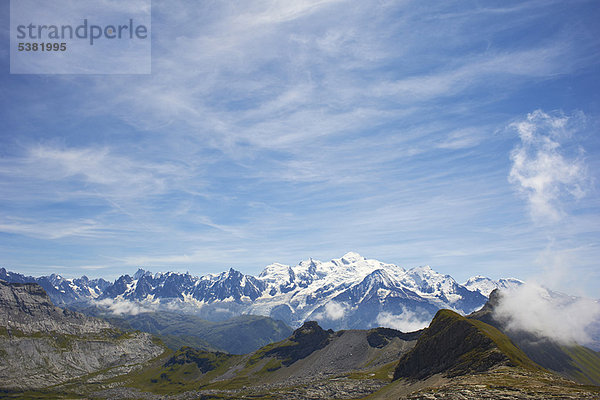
[{"x": 454, "y": 345}]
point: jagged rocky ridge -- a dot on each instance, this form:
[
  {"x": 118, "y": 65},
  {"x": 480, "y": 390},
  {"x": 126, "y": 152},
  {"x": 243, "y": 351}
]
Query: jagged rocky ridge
[
  {"x": 351, "y": 292},
  {"x": 42, "y": 345},
  {"x": 61, "y": 290}
]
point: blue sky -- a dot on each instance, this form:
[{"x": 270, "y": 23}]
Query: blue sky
[{"x": 462, "y": 135}]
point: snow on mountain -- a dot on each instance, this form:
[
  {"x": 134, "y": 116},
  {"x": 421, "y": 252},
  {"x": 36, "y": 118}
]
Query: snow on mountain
[
  {"x": 303, "y": 289},
  {"x": 347, "y": 292},
  {"x": 485, "y": 286},
  {"x": 61, "y": 290}
]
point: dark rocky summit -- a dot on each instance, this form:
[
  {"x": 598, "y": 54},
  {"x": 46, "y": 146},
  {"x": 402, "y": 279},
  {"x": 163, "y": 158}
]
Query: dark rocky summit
[
  {"x": 454, "y": 345},
  {"x": 305, "y": 340}
]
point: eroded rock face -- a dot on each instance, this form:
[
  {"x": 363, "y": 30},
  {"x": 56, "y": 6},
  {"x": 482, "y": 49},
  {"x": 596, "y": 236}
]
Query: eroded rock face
[
  {"x": 27, "y": 308},
  {"x": 43, "y": 345},
  {"x": 40, "y": 361}
]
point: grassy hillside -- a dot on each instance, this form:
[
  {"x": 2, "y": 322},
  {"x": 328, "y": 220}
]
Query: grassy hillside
[
  {"x": 571, "y": 361},
  {"x": 358, "y": 359},
  {"x": 187, "y": 369},
  {"x": 454, "y": 345},
  {"x": 585, "y": 364}
]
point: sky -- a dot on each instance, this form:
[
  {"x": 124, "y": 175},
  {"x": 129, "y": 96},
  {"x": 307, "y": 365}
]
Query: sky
[{"x": 463, "y": 135}]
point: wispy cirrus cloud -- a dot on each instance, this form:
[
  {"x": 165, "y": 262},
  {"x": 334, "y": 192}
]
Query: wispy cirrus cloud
[
  {"x": 50, "y": 229},
  {"x": 275, "y": 131},
  {"x": 91, "y": 165}
]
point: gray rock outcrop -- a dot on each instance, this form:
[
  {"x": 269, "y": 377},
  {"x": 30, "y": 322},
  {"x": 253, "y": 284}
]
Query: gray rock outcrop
[{"x": 43, "y": 345}]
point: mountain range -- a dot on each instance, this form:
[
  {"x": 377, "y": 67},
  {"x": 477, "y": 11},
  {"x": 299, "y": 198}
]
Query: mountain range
[
  {"x": 50, "y": 352},
  {"x": 351, "y": 292}
]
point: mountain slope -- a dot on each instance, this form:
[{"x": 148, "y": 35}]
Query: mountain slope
[
  {"x": 569, "y": 360},
  {"x": 454, "y": 345},
  {"x": 477, "y": 361},
  {"x": 310, "y": 360},
  {"x": 42, "y": 345}
]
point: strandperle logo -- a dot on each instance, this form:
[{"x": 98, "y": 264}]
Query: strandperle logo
[
  {"x": 80, "y": 36},
  {"x": 86, "y": 31}
]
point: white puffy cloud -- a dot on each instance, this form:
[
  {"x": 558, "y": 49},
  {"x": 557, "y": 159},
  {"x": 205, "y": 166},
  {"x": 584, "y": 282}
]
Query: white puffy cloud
[
  {"x": 406, "y": 321},
  {"x": 541, "y": 167},
  {"x": 331, "y": 311},
  {"x": 120, "y": 307},
  {"x": 561, "y": 318},
  {"x": 334, "y": 310}
]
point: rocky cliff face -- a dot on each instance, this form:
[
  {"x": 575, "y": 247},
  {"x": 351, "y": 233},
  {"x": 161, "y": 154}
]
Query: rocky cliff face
[
  {"x": 27, "y": 308},
  {"x": 42, "y": 345}
]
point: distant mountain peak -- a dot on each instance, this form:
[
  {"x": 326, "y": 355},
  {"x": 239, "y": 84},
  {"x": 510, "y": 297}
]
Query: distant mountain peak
[
  {"x": 141, "y": 272},
  {"x": 485, "y": 286},
  {"x": 352, "y": 257},
  {"x": 422, "y": 268}
]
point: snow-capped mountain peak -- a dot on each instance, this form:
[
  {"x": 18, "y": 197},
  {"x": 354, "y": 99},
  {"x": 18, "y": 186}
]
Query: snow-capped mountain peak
[
  {"x": 277, "y": 273},
  {"x": 485, "y": 286},
  {"x": 426, "y": 280},
  {"x": 351, "y": 257},
  {"x": 141, "y": 272}
]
